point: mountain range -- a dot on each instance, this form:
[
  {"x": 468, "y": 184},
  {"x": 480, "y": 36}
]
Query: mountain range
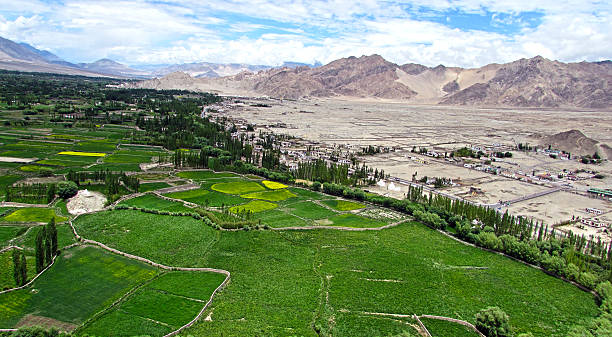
[{"x": 534, "y": 82}]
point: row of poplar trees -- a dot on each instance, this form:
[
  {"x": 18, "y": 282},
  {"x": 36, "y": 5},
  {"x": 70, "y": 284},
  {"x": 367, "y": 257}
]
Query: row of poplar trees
[{"x": 46, "y": 245}]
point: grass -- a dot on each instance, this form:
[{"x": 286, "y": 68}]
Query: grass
[
  {"x": 276, "y": 195},
  {"x": 84, "y": 154},
  {"x": 10, "y": 232},
  {"x": 8, "y": 180},
  {"x": 127, "y": 159},
  {"x": 32, "y": 214},
  {"x": 356, "y": 221},
  {"x": 281, "y": 279},
  {"x": 343, "y": 205},
  {"x": 152, "y": 176},
  {"x": 439, "y": 328},
  {"x": 238, "y": 187},
  {"x": 278, "y": 218},
  {"x": 146, "y": 187},
  {"x": 205, "y": 197},
  {"x": 150, "y": 201},
  {"x": 83, "y": 281},
  {"x": 120, "y": 323},
  {"x": 310, "y": 210},
  {"x": 167, "y": 299},
  {"x": 95, "y": 146},
  {"x": 254, "y": 206},
  {"x": 124, "y": 227},
  {"x": 273, "y": 185},
  {"x": 65, "y": 237},
  {"x": 203, "y": 175},
  {"x": 115, "y": 167},
  {"x": 34, "y": 168}
]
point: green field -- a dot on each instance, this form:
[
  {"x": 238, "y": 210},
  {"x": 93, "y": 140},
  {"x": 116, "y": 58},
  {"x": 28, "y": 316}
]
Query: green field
[
  {"x": 310, "y": 210},
  {"x": 352, "y": 220},
  {"x": 254, "y": 206},
  {"x": 127, "y": 159},
  {"x": 203, "y": 175},
  {"x": 439, "y": 328},
  {"x": 238, "y": 187},
  {"x": 279, "y": 218},
  {"x": 150, "y": 201},
  {"x": 83, "y": 281},
  {"x": 404, "y": 270},
  {"x": 32, "y": 214},
  {"x": 207, "y": 198},
  {"x": 65, "y": 237},
  {"x": 9, "y": 232},
  {"x": 127, "y": 226},
  {"x": 343, "y": 205},
  {"x": 276, "y": 195},
  {"x": 146, "y": 187},
  {"x": 172, "y": 300}
]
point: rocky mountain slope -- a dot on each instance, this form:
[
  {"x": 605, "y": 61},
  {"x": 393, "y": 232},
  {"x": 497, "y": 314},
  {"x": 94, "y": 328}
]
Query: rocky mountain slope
[
  {"x": 535, "y": 82},
  {"x": 573, "y": 141}
]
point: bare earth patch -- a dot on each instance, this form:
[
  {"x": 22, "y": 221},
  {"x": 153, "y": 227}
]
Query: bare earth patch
[
  {"x": 17, "y": 160},
  {"x": 33, "y": 320},
  {"x": 86, "y": 201}
]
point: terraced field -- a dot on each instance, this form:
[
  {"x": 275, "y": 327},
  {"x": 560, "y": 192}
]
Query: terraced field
[{"x": 402, "y": 270}]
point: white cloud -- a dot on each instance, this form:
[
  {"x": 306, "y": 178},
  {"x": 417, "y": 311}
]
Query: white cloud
[{"x": 139, "y": 31}]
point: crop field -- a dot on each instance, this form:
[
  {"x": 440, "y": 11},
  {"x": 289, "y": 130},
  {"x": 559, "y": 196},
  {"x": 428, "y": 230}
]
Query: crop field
[
  {"x": 310, "y": 210},
  {"x": 439, "y": 328},
  {"x": 275, "y": 195},
  {"x": 95, "y": 146},
  {"x": 279, "y": 218},
  {"x": 126, "y": 226},
  {"x": 146, "y": 187},
  {"x": 343, "y": 205},
  {"x": 127, "y": 159},
  {"x": 32, "y": 214},
  {"x": 352, "y": 220},
  {"x": 83, "y": 281},
  {"x": 83, "y": 154},
  {"x": 150, "y": 201},
  {"x": 203, "y": 175},
  {"x": 115, "y": 167},
  {"x": 7, "y": 180},
  {"x": 65, "y": 237},
  {"x": 254, "y": 206},
  {"x": 273, "y": 185},
  {"x": 9, "y": 232},
  {"x": 167, "y": 303},
  {"x": 238, "y": 187},
  {"x": 402, "y": 270}
]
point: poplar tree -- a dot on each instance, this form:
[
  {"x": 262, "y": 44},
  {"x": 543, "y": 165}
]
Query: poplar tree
[
  {"x": 16, "y": 267},
  {"x": 52, "y": 229},
  {"x": 39, "y": 251},
  {"x": 23, "y": 269},
  {"x": 47, "y": 238}
]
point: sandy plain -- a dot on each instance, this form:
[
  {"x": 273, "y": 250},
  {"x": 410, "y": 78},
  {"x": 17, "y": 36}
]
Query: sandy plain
[{"x": 444, "y": 129}]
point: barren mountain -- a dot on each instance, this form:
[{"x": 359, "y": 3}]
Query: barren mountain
[
  {"x": 539, "y": 82},
  {"x": 535, "y": 82},
  {"x": 573, "y": 141},
  {"x": 110, "y": 67}
]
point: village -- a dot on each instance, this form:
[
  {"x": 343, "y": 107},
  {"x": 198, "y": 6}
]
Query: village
[{"x": 547, "y": 184}]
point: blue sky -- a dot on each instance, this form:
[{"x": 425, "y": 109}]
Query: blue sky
[{"x": 467, "y": 33}]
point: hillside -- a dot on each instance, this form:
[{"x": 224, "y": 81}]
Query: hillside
[
  {"x": 535, "y": 82},
  {"x": 572, "y": 141}
]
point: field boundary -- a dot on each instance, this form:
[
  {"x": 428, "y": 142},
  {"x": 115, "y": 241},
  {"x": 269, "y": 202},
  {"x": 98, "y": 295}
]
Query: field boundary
[
  {"x": 164, "y": 267},
  {"x": 453, "y": 320}
]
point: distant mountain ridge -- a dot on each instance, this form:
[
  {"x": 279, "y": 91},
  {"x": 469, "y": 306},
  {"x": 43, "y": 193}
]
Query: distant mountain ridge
[{"x": 535, "y": 82}]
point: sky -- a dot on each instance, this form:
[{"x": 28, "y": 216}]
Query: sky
[{"x": 465, "y": 33}]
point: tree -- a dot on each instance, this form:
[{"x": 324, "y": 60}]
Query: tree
[
  {"x": 52, "y": 229},
  {"x": 16, "y": 267},
  {"x": 23, "y": 269},
  {"x": 67, "y": 189},
  {"x": 47, "y": 246},
  {"x": 39, "y": 251},
  {"x": 493, "y": 322}
]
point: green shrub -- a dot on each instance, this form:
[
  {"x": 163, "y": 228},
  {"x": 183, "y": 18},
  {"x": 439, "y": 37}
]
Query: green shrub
[{"x": 67, "y": 189}]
